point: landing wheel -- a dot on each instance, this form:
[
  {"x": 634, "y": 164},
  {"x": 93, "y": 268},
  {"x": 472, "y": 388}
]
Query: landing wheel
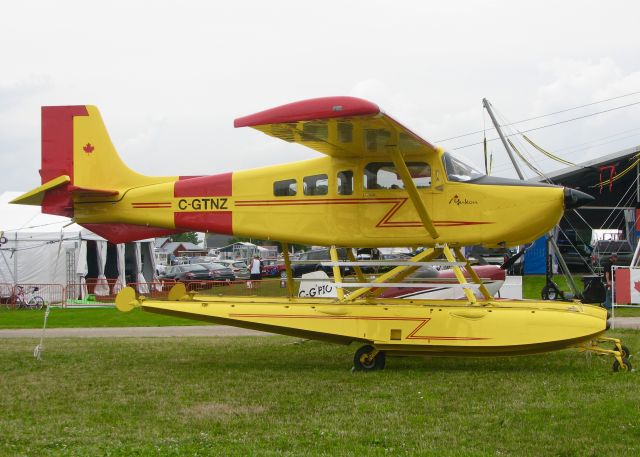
[
  {"x": 626, "y": 353},
  {"x": 626, "y": 366},
  {"x": 368, "y": 359},
  {"x": 549, "y": 293}
]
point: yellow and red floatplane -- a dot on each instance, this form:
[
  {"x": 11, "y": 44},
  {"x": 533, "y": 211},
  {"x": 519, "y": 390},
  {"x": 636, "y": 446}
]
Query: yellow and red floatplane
[{"x": 376, "y": 184}]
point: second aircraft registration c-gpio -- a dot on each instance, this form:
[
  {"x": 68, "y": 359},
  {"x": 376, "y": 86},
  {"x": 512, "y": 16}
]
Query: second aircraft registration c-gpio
[{"x": 376, "y": 184}]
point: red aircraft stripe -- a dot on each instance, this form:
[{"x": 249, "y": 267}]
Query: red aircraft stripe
[
  {"x": 218, "y": 221},
  {"x": 412, "y": 336},
  {"x": 204, "y": 186},
  {"x": 384, "y": 221}
]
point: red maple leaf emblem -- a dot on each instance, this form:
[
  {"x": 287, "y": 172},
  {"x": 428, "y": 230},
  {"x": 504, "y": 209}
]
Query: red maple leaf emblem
[
  {"x": 88, "y": 148},
  {"x": 636, "y": 286}
]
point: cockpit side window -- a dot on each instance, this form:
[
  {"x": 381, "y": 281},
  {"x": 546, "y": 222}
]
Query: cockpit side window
[
  {"x": 383, "y": 175},
  {"x": 457, "y": 170}
]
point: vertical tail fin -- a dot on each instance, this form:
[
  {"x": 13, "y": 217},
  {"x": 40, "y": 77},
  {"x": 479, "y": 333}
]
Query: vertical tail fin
[{"x": 78, "y": 159}]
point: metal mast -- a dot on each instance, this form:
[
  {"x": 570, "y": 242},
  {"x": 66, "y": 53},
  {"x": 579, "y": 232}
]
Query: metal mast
[
  {"x": 550, "y": 238},
  {"x": 487, "y": 106}
]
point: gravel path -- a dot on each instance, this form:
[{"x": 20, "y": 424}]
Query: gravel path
[
  {"x": 179, "y": 331},
  {"x": 627, "y": 322}
]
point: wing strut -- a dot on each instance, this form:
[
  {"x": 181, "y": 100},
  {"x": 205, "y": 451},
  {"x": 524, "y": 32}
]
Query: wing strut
[
  {"x": 410, "y": 187},
  {"x": 473, "y": 274},
  {"x": 397, "y": 273},
  {"x": 460, "y": 276},
  {"x": 287, "y": 265},
  {"x": 337, "y": 275}
]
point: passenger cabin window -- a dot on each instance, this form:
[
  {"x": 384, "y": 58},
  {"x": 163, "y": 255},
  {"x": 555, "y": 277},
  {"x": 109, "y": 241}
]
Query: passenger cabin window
[
  {"x": 383, "y": 175},
  {"x": 285, "y": 188},
  {"x": 316, "y": 185},
  {"x": 345, "y": 182}
]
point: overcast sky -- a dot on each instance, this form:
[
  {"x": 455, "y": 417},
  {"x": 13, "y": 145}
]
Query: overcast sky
[{"x": 169, "y": 77}]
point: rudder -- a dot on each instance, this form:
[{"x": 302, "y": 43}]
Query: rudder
[{"x": 78, "y": 159}]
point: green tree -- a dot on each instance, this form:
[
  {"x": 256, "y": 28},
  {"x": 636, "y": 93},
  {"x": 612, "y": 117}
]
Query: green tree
[{"x": 188, "y": 237}]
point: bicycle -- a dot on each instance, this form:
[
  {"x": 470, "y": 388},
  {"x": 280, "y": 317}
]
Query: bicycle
[{"x": 26, "y": 299}]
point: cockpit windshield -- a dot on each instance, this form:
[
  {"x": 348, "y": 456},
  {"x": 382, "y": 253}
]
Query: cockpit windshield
[{"x": 459, "y": 171}]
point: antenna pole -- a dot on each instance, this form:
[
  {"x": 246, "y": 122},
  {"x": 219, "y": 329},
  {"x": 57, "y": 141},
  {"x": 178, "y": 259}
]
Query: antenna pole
[
  {"x": 550, "y": 238},
  {"x": 487, "y": 106}
]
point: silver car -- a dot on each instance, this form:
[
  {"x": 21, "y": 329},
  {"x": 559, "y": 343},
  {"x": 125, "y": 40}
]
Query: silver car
[{"x": 238, "y": 267}]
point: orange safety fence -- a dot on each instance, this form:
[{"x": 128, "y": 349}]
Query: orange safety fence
[
  {"x": 31, "y": 296},
  {"x": 100, "y": 293},
  {"x": 103, "y": 293}
]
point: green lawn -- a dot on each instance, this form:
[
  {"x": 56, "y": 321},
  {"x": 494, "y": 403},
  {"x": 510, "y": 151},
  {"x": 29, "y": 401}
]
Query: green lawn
[
  {"x": 532, "y": 285},
  {"x": 266, "y": 396},
  {"x": 98, "y": 317}
]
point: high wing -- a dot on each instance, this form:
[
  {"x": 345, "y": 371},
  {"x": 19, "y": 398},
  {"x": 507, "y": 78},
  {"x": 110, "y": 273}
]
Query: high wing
[{"x": 341, "y": 127}]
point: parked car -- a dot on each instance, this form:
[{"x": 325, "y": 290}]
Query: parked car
[
  {"x": 603, "y": 249},
  {"x": 272, "y": 267},
  {"x": 313, "y": 261},
  {"x": 219, "y": 272},
  {"x": 238, "y": 267},
  {"x": 489, "y": 256},
  {"x": 187, "y": 273},
  {"x": 497, "y": 256}
]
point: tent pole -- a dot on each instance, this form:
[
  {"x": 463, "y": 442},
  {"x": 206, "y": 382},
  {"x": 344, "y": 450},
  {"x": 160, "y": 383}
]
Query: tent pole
[{"x": 15, "y": 258}]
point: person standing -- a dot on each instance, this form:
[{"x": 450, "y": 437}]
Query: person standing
[
  {"x": 608, "y": 265},
  {"x": 256, "y": 274}
]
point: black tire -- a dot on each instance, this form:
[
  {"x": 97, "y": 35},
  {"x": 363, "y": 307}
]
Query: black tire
[
  {"x": 549, "y": 293},
  {"x": 626, "y": 353},
  {"x": 625, "y": 367},
  {"x": 362, "y": 363},
  {"x": 36, "y": 302}
]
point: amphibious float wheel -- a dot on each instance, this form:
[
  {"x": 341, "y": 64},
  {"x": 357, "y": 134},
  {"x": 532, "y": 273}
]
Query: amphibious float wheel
[
  {"x": 626, "y": 366},
  {"x": 549, "y": 293},
  {"x": 368, "y": 359},
  {"x": 626, "y": 353}
]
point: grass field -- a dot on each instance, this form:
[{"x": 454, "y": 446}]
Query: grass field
[
  {"x": 267, "y": 396},
  {"x": 97, "y": 317}
]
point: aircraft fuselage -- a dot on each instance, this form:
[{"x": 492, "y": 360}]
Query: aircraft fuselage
[{"x": 329, "y": 201}]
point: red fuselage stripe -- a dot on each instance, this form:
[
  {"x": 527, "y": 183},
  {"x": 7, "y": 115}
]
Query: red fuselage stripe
[
  {"x": 412, "y": 336},
  {"x": 384, "y": 222}
]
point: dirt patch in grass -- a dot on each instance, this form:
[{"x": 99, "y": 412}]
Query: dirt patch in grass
[{"x": 221, "y": 410}]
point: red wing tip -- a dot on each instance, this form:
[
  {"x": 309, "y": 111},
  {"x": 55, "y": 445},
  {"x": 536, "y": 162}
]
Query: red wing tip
[{"x": 312, "y": 109}]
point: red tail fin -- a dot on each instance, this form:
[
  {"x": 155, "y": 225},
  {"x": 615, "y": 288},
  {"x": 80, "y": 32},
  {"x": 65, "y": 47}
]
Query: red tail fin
[{"x": 57, "y": 156}]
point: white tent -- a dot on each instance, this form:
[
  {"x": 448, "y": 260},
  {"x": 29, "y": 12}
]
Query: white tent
[{"x": 45, "y": 249}]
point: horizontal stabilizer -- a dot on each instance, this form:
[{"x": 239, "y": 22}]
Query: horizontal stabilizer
[
  {"x": 89, "y": 192},
  {"x": 35, "y": 196}
]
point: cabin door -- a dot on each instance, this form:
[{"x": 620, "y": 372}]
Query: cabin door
[{"x": 387, "y": 213}]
